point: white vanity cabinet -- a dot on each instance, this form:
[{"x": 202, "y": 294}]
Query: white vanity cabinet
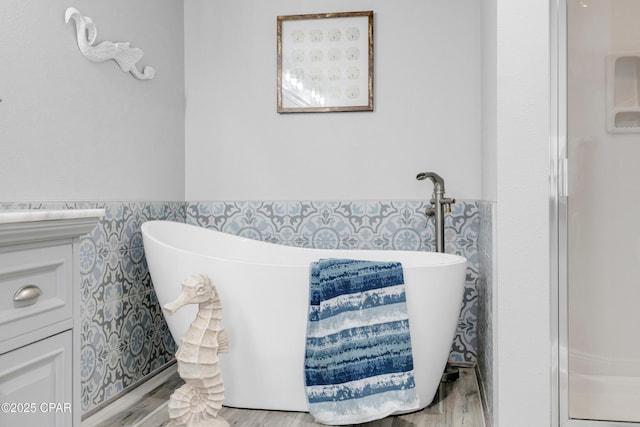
[{"x": 40, "y": 316}]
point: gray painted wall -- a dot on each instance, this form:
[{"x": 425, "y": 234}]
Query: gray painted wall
[
  {"x": 71, "y": 129},
  {"x": 427, "y": 106}
]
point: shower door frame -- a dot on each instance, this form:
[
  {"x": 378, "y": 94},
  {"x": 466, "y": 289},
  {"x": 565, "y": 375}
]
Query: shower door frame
[{"x": 558, "y": 212}]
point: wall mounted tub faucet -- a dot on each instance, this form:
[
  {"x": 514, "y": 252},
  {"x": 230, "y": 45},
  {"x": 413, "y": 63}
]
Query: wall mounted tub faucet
[{"x": 438, "y": 205}]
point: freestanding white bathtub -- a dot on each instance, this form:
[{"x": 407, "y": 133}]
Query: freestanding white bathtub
[{"x": 264, "y": 290}]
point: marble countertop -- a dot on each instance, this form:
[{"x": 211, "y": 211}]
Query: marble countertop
[{"x": 32, "y": 215}]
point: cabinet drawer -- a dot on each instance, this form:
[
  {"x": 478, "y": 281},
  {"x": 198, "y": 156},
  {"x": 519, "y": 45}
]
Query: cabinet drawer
[
  {"x": 48, "y": 268},
  {"x": 36, "y": 384}
]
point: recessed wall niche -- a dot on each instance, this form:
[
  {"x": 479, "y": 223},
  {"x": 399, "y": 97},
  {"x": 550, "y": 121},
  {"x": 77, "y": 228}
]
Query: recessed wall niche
[{"x": 623, "y": 93}]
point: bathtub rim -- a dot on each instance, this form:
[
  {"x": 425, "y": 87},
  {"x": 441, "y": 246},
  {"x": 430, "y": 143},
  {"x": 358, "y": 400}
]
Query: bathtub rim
[{"x": 445, "y": 259}]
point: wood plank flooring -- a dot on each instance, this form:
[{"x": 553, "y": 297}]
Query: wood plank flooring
[{"x": 456, "y": 405}]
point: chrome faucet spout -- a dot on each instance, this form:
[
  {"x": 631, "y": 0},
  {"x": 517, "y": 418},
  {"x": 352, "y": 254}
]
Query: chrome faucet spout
[{"x": 434, "y": 177}]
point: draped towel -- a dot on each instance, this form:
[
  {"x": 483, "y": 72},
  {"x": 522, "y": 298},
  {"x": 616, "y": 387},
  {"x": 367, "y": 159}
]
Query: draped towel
[{"x": 358, "y": 360}]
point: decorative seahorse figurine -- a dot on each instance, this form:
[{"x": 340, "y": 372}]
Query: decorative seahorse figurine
[{"x": 198, "y": 401}]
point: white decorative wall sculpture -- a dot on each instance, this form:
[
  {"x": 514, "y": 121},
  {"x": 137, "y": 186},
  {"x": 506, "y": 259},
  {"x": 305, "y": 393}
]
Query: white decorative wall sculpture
[{"x": 124, "y": 55}]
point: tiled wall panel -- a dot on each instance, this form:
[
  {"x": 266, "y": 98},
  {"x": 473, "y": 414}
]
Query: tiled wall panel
[
  {"x": 124, "y": 335},
  {"x": 486, "y": 288},
  {"x": 400, "y": 225}
]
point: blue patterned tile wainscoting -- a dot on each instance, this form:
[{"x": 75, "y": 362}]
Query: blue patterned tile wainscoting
[
  {"x": 486, "y": 286},
  {"x": 399, "y": 225},
  {"x": 124, "y": 335}
]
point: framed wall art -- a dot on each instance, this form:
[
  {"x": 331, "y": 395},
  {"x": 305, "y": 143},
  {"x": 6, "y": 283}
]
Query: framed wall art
[{"x": 325, "y": 62}]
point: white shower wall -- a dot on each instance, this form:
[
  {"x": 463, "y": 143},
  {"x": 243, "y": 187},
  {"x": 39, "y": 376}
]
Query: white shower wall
[{"x": 604, "y": 244}]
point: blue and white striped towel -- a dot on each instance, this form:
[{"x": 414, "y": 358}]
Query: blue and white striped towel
[{"x": 358, "y": 360}]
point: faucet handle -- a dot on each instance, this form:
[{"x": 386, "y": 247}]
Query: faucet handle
[
  {"x": 430, "y": 211},
  {"x": 448, "y": 202}
]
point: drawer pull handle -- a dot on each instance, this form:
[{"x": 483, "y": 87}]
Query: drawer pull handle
[{"x": 26, "y": 295}]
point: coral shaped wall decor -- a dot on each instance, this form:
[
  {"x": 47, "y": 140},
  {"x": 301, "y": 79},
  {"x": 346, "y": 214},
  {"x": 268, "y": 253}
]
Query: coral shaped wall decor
[
  {"x": 124, "y": 55},
  {"x": 198, "y": 401}
]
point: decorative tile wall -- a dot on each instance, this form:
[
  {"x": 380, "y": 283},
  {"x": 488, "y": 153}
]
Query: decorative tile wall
[
  {"x": 124, "y": 335},
  {"x": 486, "y": 286},
  {"x": 398, "y": 225}
]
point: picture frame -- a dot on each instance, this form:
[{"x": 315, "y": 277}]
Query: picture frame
[{"x": 325, "y": 62}]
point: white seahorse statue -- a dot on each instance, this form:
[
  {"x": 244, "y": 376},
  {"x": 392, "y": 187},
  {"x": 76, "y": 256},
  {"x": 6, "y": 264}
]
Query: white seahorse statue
[
  {"x": 126, "y": 57},
  {"x": 198, "y": 401}
]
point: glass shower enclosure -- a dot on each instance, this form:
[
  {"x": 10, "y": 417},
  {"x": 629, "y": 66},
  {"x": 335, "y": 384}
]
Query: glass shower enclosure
[{"x": 599, "y": 214}]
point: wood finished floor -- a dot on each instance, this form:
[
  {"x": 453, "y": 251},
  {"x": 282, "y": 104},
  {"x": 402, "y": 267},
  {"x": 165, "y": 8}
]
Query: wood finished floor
[{"x": 456, "y": 405}]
